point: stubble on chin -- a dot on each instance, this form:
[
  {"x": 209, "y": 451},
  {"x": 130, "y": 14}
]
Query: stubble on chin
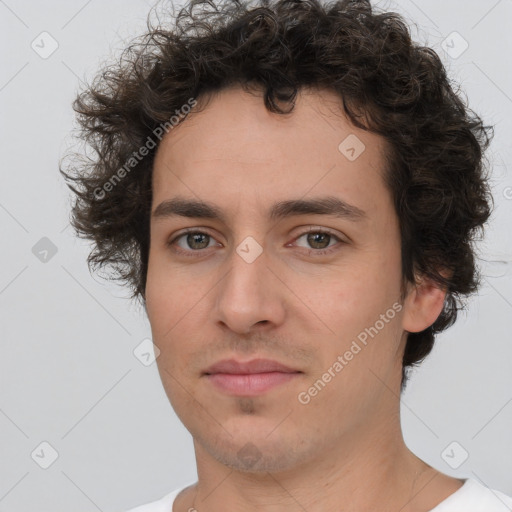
[{"x": 246, "y": 405}]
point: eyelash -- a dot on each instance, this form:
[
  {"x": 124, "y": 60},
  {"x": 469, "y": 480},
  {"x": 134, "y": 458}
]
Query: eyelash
[{"x": 310, "y": 252}]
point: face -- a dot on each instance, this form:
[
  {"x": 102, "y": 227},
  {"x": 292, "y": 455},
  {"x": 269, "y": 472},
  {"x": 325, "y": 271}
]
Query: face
[{"x": 313, "y": 289}]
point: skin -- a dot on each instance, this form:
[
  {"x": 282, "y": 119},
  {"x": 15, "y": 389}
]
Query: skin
[{"x": 303, "y": 310}]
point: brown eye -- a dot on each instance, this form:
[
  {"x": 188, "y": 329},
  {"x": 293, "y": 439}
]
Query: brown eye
[{"x": 318, "y": 240}]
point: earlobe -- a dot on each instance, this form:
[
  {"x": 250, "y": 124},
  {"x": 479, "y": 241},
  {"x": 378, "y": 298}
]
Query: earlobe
[{"x": 422, "y": 305}]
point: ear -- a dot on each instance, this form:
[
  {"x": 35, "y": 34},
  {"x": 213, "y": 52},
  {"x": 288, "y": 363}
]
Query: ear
[{"x": 422, "y": 305}]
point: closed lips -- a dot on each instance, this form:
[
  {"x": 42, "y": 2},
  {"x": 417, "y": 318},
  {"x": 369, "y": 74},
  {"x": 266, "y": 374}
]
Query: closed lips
[{"x": 231, "y": 366}]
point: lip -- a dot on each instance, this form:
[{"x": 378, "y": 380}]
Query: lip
[
  {"x": 232, "y": 366},
  {"x": 249, "y": 378}
]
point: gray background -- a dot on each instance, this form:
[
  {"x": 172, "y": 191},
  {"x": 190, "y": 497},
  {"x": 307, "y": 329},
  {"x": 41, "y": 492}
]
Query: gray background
[{"x": 69, "y": 376}]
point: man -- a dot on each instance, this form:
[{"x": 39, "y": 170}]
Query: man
[{"x": 292, "y": 190}]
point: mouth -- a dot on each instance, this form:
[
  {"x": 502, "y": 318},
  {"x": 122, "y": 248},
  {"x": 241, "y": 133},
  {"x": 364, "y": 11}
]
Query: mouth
[{"x": 250, "y": 378}]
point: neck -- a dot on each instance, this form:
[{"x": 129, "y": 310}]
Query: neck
[{"x": 368, "y": 470}]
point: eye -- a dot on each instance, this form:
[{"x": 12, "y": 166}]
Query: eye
[
  {"x": 195, "y": 241},
  {"x": 319, "y": 240}
]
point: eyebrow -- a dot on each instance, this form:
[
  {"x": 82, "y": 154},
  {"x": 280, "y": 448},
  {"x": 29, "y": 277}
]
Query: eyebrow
[{"x": 330, "y": 205}]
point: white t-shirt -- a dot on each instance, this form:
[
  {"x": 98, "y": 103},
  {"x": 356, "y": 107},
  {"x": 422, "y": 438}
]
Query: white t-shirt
[{"x": 471, "y": 497}]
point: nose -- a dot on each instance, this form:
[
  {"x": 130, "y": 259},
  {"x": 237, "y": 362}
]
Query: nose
[{"x": 249, "y": 295}]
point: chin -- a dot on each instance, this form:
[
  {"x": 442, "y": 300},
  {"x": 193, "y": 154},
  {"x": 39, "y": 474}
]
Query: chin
[{"x": 253, "y": 450}]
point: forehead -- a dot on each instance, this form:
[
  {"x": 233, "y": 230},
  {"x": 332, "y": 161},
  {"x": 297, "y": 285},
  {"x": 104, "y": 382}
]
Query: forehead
[{"x": 240, "y": 153}]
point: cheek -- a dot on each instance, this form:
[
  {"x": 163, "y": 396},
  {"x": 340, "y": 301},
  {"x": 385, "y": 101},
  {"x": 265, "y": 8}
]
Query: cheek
[
  {"x": 164, "y": 310},
  {"x": 174, "y": 307},
  {"x": 359, "y": 310},
  {"x": 157, "y": 297},
  {"x": 352, "y": 298},
  {"x": 166, "y": 293}
]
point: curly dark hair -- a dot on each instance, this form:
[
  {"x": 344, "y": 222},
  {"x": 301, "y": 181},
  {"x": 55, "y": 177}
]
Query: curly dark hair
[{"x": 387, "y": 84}]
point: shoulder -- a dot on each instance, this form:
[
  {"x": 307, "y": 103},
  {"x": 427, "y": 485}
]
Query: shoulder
[
  {"x": 475, "y": 497},
  {"x": 164, "y": 504}
]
